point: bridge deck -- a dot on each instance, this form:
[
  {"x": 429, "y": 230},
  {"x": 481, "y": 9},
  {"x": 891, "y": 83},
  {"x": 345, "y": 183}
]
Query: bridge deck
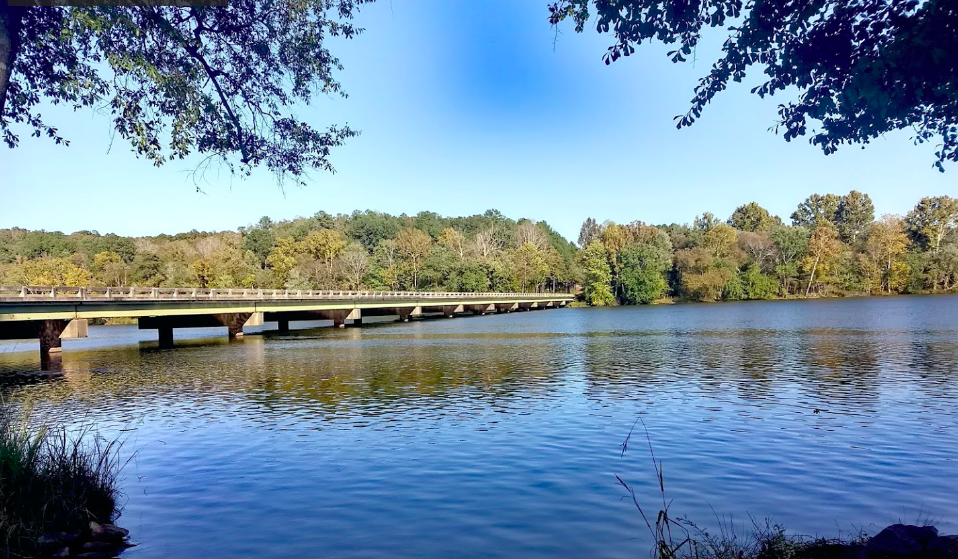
[{"x": 49, "y": 313}]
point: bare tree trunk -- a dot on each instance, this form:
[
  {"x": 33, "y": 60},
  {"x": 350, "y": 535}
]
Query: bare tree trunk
[
  {"x": 11, "y": 21},
  {"x": 812, "y": 277}
]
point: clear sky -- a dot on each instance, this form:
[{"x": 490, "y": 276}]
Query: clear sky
[{"x": 466, "y": 106}]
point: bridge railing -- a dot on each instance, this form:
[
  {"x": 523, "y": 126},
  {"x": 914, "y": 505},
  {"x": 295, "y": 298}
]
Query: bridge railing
[{"x": 66, "y": 293}]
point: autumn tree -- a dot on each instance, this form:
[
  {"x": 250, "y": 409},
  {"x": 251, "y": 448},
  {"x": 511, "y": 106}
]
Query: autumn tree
[
  {"x": 886, "y": 243},
  {"x": 324, "y": 245},
  {"x": 823, "y": 248},
  {"x": 453, "y": 240},
  {"x": 413, "y": 246}
]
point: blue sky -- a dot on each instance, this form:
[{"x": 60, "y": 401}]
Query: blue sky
[{"x": 466, "y": 106}]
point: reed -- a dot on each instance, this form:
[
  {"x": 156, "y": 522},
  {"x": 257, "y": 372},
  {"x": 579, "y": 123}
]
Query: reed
[{"x": 52, "y": 481}]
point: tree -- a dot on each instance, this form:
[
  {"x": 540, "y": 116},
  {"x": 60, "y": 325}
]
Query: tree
[
  {"x": 453, "y": 240},
  {"x": 529, "y": 265},
  {"x": 353, "y": 265},
  {"x": 790, "y": 245},
  {"x": 643, "y": 269},
  {"x": 413, "y": 245},
  {"x": 752, "y": 218},
  {"x": 259, "y": 241},
  {"x": 859, "y": 69},
  {"x": 854, "y": 215},
  {"x": 701, "y": 275},
  {"x": 932, "y": 219},
  {"x": 109, "y": 269},
  {"x": 589, "y": 232},
  {"x": 598, "y": 275},
  {"x": 282, "y": 259},
  {"x": 816, "y": 209},
  {"x": 324, "y": 245},
  {"x": 219, "y": 81},
  {"x": 823, "y": 248},
  {"x": 886, "y": 243}
]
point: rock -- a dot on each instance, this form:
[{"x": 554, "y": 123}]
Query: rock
[
  {"x": 900, "y": 539},
  {"x": 57, "y": 539},
  {"x": 100, "y": 546},
  {"x": 65, "y": 552},
  {"x": 944, "y": 546},
  {"x": 107, "y": 532}
]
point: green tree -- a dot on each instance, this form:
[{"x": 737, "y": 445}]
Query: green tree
[
  {"x": 816, "y": 209},
  {"x": 259, "y": 241},
  {"x": 147, "y": 270},
  {"x": 932, "y": 219},
  {"x": 756, "y": 285},
  {"x": 790, "y": 246},
  {"x": 598, "y": 275},
  {"x": 529, "y": 265},
  {"x": 218, "y": 81},
  {"x": 752, "y": 218},
  {"x": 854, "y": 215},
  {"x": 643, "y": 270},
  {"x": 858, "y": 69}
]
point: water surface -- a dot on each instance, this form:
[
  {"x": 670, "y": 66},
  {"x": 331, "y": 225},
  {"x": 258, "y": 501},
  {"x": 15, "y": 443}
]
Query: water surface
[{"x": 499, "y": 436}]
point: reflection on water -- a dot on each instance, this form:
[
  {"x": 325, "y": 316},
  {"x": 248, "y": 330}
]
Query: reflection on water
[{"x": 498, "y": 436}]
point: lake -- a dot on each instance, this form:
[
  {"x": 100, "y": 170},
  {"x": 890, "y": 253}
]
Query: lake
[{"x": 499, "y": 436}]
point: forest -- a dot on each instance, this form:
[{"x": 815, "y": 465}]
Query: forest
[{"x": 833, "y": 246}]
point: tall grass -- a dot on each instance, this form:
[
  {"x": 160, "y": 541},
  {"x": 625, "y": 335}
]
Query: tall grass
[
  {"x": 681, "y": 538},
  {"x": 52, "y": 482}
]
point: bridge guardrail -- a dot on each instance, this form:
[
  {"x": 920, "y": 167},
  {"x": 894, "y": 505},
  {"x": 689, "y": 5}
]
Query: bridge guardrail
[{"x": 67, "y": 293}]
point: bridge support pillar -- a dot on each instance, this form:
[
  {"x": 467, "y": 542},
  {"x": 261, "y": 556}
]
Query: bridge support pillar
[
  {"x": 166, "y": 336},
  {"x": 450, "y": 311},
  {"x": 405, "y": 312},
  {"x": 50, "y": 331},
  {"x": 282, "y": 325},
  {"x": 234, "y": 322},
  {"x": 505, "y": 307}
]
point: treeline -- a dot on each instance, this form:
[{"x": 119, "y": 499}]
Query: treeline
[
  {"x": 833, "y": 247},
  {"x": 364, "y": 250}
]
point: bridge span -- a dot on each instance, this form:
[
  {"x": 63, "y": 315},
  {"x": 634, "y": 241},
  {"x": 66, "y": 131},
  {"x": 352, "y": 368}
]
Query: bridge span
[{"x": 51, "y": 314}]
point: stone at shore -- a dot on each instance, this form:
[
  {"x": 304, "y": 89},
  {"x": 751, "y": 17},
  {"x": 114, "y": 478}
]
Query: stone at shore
[
  {"x": 101, "y": 546},
  {"x": 944, "y": 546},
  {"x": 107, "y": 532},
  {"x": 900, "y": 540},
  {"x": 58, "y": 539}
]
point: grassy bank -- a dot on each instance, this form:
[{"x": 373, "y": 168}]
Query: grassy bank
[{"x": 51, "y": 482}]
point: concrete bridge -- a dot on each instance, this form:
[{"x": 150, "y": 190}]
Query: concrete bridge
[{"x": 51, "y": 314}]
